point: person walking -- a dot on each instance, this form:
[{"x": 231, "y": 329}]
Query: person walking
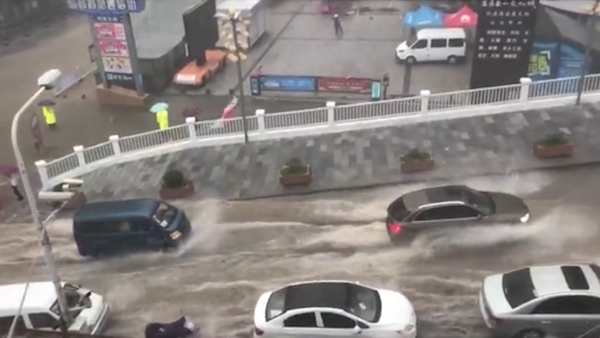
[
  {"x": 49, "y": 116},
  {"x": 162, "y": 119},
  {"x": 337, "y": 25},
  {"x": 11, "y": 172}
]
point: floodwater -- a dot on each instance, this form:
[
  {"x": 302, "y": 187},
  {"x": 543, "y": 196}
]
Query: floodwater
[{"x": 241, "y": 249}]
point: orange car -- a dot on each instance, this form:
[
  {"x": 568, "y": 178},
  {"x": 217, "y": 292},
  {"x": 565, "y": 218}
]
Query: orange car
[{"x": 193, "y": 75}]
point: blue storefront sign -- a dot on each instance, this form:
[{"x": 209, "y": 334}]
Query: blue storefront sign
[
  {"x": 288, "y": 83},
  {"x": 107, "y": 7},
  {"x": 551, "y": 60}
]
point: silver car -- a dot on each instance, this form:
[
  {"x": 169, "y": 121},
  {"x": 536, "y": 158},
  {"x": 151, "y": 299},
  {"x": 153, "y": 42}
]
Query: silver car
[{"x": 541, "y": 301}]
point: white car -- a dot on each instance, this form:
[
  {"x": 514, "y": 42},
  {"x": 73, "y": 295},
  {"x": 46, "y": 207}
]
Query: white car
[{"x": 334, "y": 308}]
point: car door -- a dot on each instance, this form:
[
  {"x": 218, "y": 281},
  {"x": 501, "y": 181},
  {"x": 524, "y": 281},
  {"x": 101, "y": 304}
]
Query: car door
[
  {"x": 447, "y": 216},
  {"x": 563, "y": 316},
  {"x": 337, "y": 325},
  {"x": 438, "y": 50},
  {"x": 300, "y": 325},
  {"x": 419, "y": 50}
]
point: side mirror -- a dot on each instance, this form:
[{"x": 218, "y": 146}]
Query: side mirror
[{"x": 356, "y": 329}]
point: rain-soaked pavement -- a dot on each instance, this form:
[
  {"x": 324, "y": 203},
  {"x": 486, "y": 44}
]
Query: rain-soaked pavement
[{"x": 241, "y": 249}]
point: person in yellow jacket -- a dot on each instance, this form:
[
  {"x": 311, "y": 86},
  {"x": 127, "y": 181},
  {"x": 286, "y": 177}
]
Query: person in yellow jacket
[
  {"x": 49, "y": 116},
  {"x": 162, "y": 119}
]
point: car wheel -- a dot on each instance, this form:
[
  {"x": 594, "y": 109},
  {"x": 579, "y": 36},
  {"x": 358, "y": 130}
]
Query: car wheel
[
  {"x": 530, "y": 334},
  {"x": 411, "y": 60},
  {"x": 452, "y": 60}
]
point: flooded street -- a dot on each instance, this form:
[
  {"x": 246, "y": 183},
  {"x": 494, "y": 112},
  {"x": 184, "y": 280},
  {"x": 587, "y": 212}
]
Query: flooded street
[{"x": 241, "y": 249}]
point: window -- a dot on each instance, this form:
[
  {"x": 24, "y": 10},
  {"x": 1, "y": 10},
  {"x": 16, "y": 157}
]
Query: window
[
  {"x": 335, "y": 321},
  {"x": 575, "y": 278},
  {"x": 439, "y": 43},
  {"x": 108, "y": 227},
  {"x": 164, "y": 214},
  {"x": 6, "y": 322},
  {"x": 456, "y": 42},
  {"x": 43, "y": 320},
  {"x": 397, "y": 210},
  {"x": 421, "y": 44},
  {"x": 569, "y": 305},
  {"x": 301, "y": 320},
  {"x": 364, "y": 303},
  {"x": 449, "y": 212},
  {"x": 518, "y": 287}
]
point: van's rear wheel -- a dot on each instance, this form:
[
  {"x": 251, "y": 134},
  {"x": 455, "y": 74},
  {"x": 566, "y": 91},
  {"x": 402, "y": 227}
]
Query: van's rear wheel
[
  {"x": 411, "y": 60},
  {"x": 530, "y": 334},
  {"x": 452, "y": 60}
]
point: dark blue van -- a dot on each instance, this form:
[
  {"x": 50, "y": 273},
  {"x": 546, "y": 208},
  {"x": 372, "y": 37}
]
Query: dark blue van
[{"x": 108, "y": 228}]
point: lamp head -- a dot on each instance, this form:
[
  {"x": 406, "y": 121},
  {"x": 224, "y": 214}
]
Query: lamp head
[{"x": 49, "y": 79}]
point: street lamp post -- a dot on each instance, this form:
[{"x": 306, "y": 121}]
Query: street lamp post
[
  {"x": 232, "y": 26},
  {"x": 45, "y": 82},
  {"x": 588, "y": 48}
]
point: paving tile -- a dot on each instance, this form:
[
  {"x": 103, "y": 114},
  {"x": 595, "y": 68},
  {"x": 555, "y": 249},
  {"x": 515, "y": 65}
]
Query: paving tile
[{"x": 470, "y": 146}]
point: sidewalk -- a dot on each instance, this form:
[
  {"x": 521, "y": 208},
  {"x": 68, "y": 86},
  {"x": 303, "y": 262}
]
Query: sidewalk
[
  {"x": 81, "y": 121},
  {"x": 499, "y": 144}
]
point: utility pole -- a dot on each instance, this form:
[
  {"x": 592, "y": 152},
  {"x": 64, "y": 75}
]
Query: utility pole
[
  {"x": 232, "y": 26},
  {"x": 591, "y": 25}
]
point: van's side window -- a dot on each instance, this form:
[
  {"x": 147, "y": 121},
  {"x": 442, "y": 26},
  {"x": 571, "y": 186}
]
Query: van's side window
[
  {"x": 439, "y": 43},
  {"x": 456, "y": 42},
  {"x": 421, "y": 44},
  {"x": 6, "y": 322},
  {"x": 42, "y": 320}
]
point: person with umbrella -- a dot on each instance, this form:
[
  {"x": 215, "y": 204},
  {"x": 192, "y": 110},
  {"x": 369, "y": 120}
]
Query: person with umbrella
[
  {"x": 161, "y": 111},
  {"x": 12, "y": 172},
  {"x": 48, "y": 112}
]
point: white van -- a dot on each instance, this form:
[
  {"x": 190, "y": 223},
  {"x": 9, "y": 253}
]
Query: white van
[
  {"x": 41, "y": 311},
  {"x": 434, "y": 44}
]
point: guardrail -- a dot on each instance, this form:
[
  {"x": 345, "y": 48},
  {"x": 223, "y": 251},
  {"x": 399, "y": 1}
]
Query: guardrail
[{"x": 329, "y": 119}]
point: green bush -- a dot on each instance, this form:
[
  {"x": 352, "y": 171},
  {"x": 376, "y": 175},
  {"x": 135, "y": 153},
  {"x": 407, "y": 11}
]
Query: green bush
[
  {"x": 417, "y": 155},
  {"x": 554, "y": 139},
  {"x": 173, "y": 179},
  {"x": 294, "y": 167}
]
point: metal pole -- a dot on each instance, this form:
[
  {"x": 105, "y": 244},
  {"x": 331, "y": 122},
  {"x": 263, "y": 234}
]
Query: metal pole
[
  {"x": 31, "y": 200},
  {"x": 588, "y": 48},
  {"x": 133, "y": 56},
  {"x": 240, "y": 77}
]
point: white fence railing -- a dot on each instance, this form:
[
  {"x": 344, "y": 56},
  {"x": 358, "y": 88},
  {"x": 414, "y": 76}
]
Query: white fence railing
[{"x": 329, "y": 119}]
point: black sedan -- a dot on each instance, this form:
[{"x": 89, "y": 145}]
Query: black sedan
[{"x": 448, "y": 207}]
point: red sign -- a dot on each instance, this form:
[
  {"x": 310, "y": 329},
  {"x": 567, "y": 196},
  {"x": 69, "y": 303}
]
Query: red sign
[{"x": 351, "y": 85}]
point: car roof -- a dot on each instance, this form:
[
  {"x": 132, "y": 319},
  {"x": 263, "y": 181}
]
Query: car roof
[
  {"x": 561, "y": 278},
  {"x": 40, "y": 297},
  {"x": 107, "y": 210},
  {"x": 448, "y": 193},
  {"x": 330, "y": 294}
]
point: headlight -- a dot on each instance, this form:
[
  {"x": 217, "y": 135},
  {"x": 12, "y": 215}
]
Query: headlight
[
  {"x": 525, "y": 218},
  {"x": 406, "y": 329},
  {"x": 175, "y": 234}
]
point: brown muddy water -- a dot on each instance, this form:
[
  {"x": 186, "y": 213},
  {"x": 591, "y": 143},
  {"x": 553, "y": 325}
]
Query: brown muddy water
[{"x": 241, "y": 249}]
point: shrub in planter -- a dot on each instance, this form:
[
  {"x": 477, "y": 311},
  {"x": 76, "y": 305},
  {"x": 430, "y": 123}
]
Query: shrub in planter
[
  {"x": 416, "y": 160},
  {"x": 175, "y": 185},
  {"x": 553, "y": 145},
  {"x": 294, "y": 173}
]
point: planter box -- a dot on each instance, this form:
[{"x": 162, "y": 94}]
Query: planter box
[
  {"x": 75, "y": 202},
  {"x": 297, "y": 179},
  {"x": 563, "y": 150},
  {"x": 413, "y": 166},
  {"x": 177, "y": 193}
]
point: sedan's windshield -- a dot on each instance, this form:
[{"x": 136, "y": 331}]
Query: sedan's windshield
[
  {"x": 364, "y": 303},
  {"x": 164, "y": 214},
  {"x": 481, "y": 201},
  {"x": 411, "y": 40},
  {"x": 76, "y": 301}
]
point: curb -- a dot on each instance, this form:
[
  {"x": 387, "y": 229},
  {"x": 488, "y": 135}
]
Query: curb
[{"x": 413, "y": 180}]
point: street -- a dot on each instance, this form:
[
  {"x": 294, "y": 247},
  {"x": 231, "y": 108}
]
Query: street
[{"x": 241, "y": 249}]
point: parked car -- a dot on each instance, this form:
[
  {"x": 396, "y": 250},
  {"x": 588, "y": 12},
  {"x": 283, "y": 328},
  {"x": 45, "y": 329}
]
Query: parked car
[
  {"x": 113, "y": 227},
  {"x": 40, "y": 311},
  {"x": 543, "y": 301},
  {"x": 448, "y": 207},
  {"x": 434, "y": 44},
  {"x": 334, "y": 308}
]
